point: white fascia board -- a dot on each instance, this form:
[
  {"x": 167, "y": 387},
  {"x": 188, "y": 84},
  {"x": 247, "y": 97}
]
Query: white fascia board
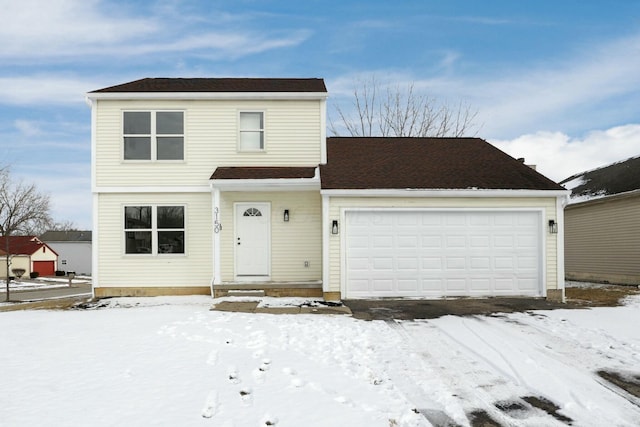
[
  {"x": 154, "y": 189},
  {"x": 410, "y": 192},
  {"x": 279, "y": 184},
  {"x": 207, "y": 95}
]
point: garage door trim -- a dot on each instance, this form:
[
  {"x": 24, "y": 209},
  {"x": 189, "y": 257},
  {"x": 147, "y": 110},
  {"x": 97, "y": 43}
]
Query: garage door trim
[{"x": 542, "y": 237}]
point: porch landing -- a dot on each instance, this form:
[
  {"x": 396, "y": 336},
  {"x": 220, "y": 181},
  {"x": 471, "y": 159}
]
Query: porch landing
[{"x": 311, "y": 289}]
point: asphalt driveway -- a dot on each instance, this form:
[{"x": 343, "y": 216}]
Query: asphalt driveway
[{"x": 386, "y": 309}]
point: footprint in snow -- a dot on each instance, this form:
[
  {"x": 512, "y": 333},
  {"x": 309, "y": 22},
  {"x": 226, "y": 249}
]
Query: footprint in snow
[
  {"x": 260, "y": 372},
  {"x": 344, "y": 400},
  {"x": 258, "y": 375},
  {"x": 233, "y": 375},
  {"x": 266, "y": 365},
  {"x": 213, "y": 357},
  {"x": 210, "y": 405},
  {"x": 246, "y": 396},
  {"x": 268, "y": 420},
  {"x": 295, "y": 381}
]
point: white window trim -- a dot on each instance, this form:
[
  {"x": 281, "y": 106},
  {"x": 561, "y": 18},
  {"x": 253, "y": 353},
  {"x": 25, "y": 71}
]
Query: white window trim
[
  {"x": 154, "y": 230},
  {"x": 240, "y": 130},
  {"x": 154, "y": 136}
]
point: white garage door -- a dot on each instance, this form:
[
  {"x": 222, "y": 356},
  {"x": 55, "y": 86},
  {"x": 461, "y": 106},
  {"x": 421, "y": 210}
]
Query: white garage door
[{"x": 442, "y": 253}]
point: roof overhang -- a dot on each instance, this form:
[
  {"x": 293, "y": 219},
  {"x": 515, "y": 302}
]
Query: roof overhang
[
  {"x": 268, "y": 184},
  {"x": 415, "y": 192},
  {"x": 604, "y": 199}
]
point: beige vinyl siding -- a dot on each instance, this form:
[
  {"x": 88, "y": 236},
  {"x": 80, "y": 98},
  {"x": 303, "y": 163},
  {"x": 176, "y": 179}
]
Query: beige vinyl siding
[
  {"x": 292, "y": 243},
  {"x": 44, "y": 254},
  {"x": 116, "y": 269},
  {"x": 17, "y": 261},
  {"x": 602, "y": 240},
  {"x": 292, "y": 138},
  {"x": 548, "y": 205}
]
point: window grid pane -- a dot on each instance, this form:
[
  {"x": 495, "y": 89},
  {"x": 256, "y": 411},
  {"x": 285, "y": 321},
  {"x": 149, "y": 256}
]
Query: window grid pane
[
  {"x": 137, "y": 148},
  {"x": 138, "y": 242},
  {"x": 136, "y": 217},
  {"x": 170, "y": 148},
  {"x": 170, "y": 242},
  {"x": 251, "y": 121},
  {"x": 251, "y": 141},
  {"x": 169, "y": 123},
  {"x": 170, "y": 216},
  {"x": 137, "y": 123}
]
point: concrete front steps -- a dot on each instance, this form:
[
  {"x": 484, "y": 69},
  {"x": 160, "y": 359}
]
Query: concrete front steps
[{"x": 311, "y": 289}]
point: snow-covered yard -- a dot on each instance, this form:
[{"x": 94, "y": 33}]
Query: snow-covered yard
[{"x": 172, "y": 362}]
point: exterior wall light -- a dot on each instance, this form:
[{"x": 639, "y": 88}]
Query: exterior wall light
[
  {"x": 334, "y": 227},
  {"x": 286, "y": 215},
  {"x": 553, "y": 226}
]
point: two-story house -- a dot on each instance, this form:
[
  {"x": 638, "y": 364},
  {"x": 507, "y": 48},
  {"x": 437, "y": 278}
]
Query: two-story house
[{"x": 205, "y": 185}]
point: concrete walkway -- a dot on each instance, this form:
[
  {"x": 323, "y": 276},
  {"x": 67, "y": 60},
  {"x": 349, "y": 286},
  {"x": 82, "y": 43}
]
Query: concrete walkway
[{"x": 252, "y": 307}]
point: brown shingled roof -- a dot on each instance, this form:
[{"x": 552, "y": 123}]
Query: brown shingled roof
[
  {"x": 263, "y": 172},
  {"x": 425, "y": 163},
  {"x": 218, "y": 85}
]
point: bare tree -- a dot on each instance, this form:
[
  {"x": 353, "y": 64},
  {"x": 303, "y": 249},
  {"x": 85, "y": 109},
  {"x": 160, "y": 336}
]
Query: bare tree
[
  {"x": 402, "y": 111},
  {"x": 22, "y": 209},
  {"x": 66, "y": 225}
]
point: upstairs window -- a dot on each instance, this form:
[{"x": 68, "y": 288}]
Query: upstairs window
[
  {"x": 153, "y": 135},
  {"x": 154, "y": 229},
  {"x": 251, "y": 131}
]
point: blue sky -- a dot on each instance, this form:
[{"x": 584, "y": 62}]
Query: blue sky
[{"x": 556, "y": 82}]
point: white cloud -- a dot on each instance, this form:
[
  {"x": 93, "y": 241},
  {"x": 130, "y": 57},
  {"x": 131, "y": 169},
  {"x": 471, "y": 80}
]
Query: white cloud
[
  {"x": 546, "y": 97},
  {"x": 63, "y": 29},
  {"x": 27, "y": 127},
  {"x": 68, "y": 186},
  {"x": 40, "y": 28},
  {"x": 559, "y": 156},
  {"x": 45, "y": 89},
  {"x": 579, "y": 91}
]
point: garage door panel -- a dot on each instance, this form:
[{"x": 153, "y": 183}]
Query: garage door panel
[
  {"x": 480, "y": 242},
  {"x": 434, "y": 263},
  {"x": 430, "y": 241},
  {"x": 442, "y": 253},
  {"x": 456, "y": 263},
  {"x": 483, "y": 285},
  {"x": 407, "y": 264},
  {"x": 525, "y": 262},
  {"x": 481, "y": 263},
  {"x": 383, "y": 285},
  {"x": 455, "y": 220},
  {"x": 383, "y": 263},
  {"x": 454, "y": 285},
  {"x": 407, "y": 241},
  {"x": 454, "y": 242},
  {"x": 358, "y": 242},
  {"x": 408, "y": 285},
  {"x": 382, "y": 242}
]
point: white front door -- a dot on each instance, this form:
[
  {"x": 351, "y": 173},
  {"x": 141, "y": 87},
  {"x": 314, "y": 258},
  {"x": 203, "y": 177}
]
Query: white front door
[{"x": 252, "y": 241}]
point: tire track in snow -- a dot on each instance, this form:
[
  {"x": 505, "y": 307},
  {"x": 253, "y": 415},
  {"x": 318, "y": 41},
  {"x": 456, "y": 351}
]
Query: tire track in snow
[
  {"x": 470, "y": 388},
  {"x": 551, "y": 368},
  {"x": 473, "y": 386}
]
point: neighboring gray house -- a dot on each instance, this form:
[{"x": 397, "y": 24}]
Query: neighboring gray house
[
  {"x": 602, "y": 224},
  {"x": 73, "y": 248}
]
